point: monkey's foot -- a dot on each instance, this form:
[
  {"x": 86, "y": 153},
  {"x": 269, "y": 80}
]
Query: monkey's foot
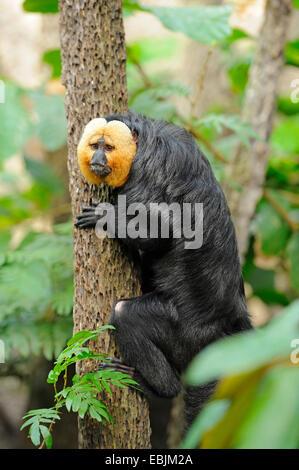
[{"x": 116, "y": 365}]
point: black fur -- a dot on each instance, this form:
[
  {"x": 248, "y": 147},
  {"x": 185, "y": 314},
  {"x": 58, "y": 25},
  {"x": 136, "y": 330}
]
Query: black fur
[{"x": 191, "y": 297}]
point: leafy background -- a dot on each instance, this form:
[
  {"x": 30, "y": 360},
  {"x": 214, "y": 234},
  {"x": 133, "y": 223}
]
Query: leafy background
[{"x": 36, "y": 272}]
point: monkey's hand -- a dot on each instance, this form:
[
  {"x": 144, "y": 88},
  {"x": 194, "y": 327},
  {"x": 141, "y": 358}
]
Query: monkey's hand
[{"x": 88, "y": 217}]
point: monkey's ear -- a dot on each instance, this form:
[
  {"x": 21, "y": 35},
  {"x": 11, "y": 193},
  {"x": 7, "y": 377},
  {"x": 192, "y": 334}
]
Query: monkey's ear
[{"x": 135, "y": 136}]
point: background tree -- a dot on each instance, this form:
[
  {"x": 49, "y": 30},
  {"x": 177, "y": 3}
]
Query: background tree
[
  {"x": 94, "y": 73},
  {"x": 248, "y": 165}
]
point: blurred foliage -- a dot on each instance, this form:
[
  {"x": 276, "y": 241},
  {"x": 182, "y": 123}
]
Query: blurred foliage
[
  {"x": 238, "y": 74},
  {"x": 220, "y": 121},
  {"x": 41, "y": 6},
  {"x": 256, "y": 402},
  {"x": 36, "y": 293},
  {"x": 36, "y": 276},
  {"x": 203, "y": 24},
  {"x": 292, "y": 53},
  {"x": 257, "y": 380},
  {"x": 27, "y": 114},
  {"x": 16, "y": 122},
  {"x": 53, "y": 59},
  {"x": 52, "y": 132},
  {"x": 287, "y": 106}
]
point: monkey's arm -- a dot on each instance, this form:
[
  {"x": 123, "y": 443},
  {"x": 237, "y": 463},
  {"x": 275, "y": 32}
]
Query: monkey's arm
[{"x": 89, "y": 217}]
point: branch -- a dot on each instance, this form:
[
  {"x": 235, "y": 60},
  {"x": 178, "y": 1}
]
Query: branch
[
  {"x": 209, "y": 146},
  {"x": 201, "y": 80},
  {"x": 294, "y": 226}
]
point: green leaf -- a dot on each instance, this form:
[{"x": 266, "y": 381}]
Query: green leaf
[
  {"x": 16, "y": 123},
  {"x": 209, "y": 416},
  {"x": 246, "y": 351},
  {"x": 103, "y": 412},
  {"x": 41, "y": 6},
  {"x": 154, "y": 109},
  {"x": 285, "y": 135},
  {"x": 80, "y": 337},
  {"x": 83, "y": 335},
  {"x": 292, "y": 255},
  {"x": 5, "y": 237},
  {"x": 282, "y": 169},
  {"x": 296, "y": 3},
  {"x": 236, "y": 35},
  {"x": 272, "y": 420},
  {"x": 68, "y": 402},
  {"x": 238, "y": 75},
  {"x": 53, "y": 59},
  {"x": 292, "y": 53},
  {"x": 29, "y": 421},
  {"x": 43, "y": 175},
  {"x": 152, "y": 102},
  {"x": 25, "y": 286},
  {"x": 130, "y": 6},
  {"x": 83, "y": 408},
  {"x": 287, "y": 106},
  {"x": 76, "y": 402},
  {"x": 40, "y": 412},
  {"x": 13, "y": 209},
  {"x": 106, "y": 386},
  {"x": 150, "y": 49},
  {"x": 272, "y": 296},
  {"x": 243, "y": 129},
  {"x": 53, "y": 377},
  {"x": 271, "y": 229},
  {"x": 203, "y": 24},
  {"x": 51, "y": 126},
  {"x": 47, "y": 436},
  {"x": 258, "y": 278},
  {"x": 94, "y": 414},
  {"x": 34, "y": 434},
  {"x": 34, "y": 419}
]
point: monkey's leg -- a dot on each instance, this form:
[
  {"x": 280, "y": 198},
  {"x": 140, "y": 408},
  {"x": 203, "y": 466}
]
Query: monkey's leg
[
  {"x": 144, "y": 333},
  {"x": 115, "y": 364}
]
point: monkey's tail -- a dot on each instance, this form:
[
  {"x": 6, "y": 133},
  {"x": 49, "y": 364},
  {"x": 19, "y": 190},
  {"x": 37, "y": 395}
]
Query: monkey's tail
[{"x": 195, "y": 398}]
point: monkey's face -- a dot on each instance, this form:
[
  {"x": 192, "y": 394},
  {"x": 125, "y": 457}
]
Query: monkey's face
[{"x": 106, "y": 152}]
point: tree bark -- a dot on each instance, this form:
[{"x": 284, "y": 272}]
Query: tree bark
[
  {"x": 94, "y": 73},
  {"x": 248, "y": 166}
]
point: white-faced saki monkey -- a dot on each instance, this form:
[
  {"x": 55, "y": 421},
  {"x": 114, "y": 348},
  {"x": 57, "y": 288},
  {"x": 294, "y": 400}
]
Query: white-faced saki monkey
[{"x": 191, "y": 297}]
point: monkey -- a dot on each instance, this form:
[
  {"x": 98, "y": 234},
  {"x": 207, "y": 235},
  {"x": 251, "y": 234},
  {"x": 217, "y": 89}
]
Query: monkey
[{"x": 190, "y": 297}]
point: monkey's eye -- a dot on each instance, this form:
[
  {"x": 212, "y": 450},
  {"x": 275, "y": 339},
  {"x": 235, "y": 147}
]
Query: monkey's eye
[
  {"x": 108, "y": 147},
  {"x": 94, "y": 146}
]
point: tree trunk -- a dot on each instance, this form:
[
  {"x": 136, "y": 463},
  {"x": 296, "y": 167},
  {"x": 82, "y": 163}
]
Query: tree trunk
[
  {"x": 248, "y": 166},
  {"x": 94, "y": 73}
]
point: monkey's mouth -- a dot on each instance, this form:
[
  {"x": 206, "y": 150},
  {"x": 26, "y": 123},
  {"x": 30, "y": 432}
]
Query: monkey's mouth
[{"x": 100, "y": 170}]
